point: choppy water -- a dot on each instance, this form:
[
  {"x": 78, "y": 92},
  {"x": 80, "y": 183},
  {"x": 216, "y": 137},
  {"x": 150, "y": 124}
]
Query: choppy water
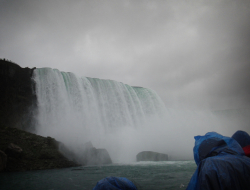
[{"x": 146, "y": 175}]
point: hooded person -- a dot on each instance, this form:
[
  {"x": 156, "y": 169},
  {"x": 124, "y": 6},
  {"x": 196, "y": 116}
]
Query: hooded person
[
  {"x": 115, "y": 183},
  {"x": 243, "y": 139},
  {"x": 221, "y": 164}
]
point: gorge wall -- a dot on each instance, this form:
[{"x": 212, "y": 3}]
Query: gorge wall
[
  {"x": 21, "y": 150},
  {"x": 17, "y": 96}
]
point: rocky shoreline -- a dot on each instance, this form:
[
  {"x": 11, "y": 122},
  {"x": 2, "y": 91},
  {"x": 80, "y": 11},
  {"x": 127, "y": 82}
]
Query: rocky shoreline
[{"x": 23, "y": 151}]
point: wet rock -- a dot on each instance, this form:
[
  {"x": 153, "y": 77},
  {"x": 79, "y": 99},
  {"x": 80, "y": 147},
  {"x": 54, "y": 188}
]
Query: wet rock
[
  {"x": 52, "y": 142},
  {"x": 14, "y": 151},
  {"x": 36, "y": 152},
  {"x": 47, "y": 154},
  {"x": 94, "y": 156},
  {"x": 87, "y": 154},
  {"x": 3, "y": 161},
  {"x": 98, "y": 157},
  {"x": 17, "y": 98}
]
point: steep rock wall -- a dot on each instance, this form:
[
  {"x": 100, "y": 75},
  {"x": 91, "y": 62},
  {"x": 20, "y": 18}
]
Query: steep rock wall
[{"x": 17, "y": 97}]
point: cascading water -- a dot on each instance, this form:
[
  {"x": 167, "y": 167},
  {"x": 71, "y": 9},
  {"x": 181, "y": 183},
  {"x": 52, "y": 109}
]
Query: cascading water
[
  {"x": 120, "y": 118},
  {"x": 77, "y": 110}
]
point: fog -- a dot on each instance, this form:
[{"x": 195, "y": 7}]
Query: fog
[
  {"x": 122, "y": 119},
  {"x": 172, "y": 135}
]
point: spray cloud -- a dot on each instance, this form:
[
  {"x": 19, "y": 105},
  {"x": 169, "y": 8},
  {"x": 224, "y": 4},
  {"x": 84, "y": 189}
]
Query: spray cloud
[{"x": 124, "y": 120}]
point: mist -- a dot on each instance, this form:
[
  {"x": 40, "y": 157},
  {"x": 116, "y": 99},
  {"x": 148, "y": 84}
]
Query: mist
[
  {"x": 173, "y": 135},
  {"x": 122, "y": 119}
]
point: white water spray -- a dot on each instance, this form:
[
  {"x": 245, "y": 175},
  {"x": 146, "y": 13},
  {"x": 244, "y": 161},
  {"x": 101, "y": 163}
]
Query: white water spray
[{"x": 122, "y": 119}]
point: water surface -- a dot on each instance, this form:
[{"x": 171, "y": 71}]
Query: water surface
[{"x": 146, "y": 175}]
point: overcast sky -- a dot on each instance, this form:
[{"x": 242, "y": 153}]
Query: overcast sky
[{"x": 194, "y": 54}]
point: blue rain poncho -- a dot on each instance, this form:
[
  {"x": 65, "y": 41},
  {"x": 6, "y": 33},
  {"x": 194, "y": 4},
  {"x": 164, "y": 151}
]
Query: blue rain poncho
[
  {"x": 221, "y": 164},
  {"x": 115, "y": 183},
  {"x": 242, "y": 138}
]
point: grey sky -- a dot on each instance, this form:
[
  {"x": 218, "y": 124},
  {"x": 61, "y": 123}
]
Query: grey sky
[{"x": 194, "y": 54}]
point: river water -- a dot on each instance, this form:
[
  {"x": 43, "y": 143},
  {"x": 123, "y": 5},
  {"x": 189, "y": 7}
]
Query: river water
[{"x": 146, "y": 175}]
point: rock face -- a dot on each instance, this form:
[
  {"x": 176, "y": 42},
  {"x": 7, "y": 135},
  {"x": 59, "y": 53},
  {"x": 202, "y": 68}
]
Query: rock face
[
  {"x": 3, "y": 161},
  {"x": 88, "y": 155},
  {"x": 14, "y": 151},
  {"x": 151, "y": 156},
  {"x": 17, "y": 97},
  {"x": 96, "y": 156},
  {"x": 27, "y": 151}
]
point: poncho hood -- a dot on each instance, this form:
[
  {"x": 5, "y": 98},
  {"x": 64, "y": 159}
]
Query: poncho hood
[{"x": 213, "y": 144}]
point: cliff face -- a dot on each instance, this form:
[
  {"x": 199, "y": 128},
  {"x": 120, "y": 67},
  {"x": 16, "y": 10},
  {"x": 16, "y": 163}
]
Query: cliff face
[
  {"x": 17, "y": 97},
  {"x": 19, "y": 149},
  {"x": 26, "y": 151}
]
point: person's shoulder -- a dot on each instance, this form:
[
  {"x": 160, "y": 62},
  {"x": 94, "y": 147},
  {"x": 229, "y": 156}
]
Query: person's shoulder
[{"x": 225, "y": 162}]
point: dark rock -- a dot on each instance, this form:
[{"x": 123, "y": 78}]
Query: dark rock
[
  {"x": 37, "y": 152},
  {"x": 151, "y": 156},
  {"x": 3, "y": 161},
  {"x": 14, "y": 151},
  {"x": 18, "y": 106},
  {"x": 47, "y": 154},
  {"x": 67, "y": 152},
  {"x": 87, "y": 155},
  {"x": 98, "y": 157},
  {"x": 52, "y": 142},
  {"x": 17, "y": 98},
  {"x": 93, "y": 156}
]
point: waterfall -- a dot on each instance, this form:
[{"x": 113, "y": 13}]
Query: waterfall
[
  {"x": 120, "y": 118},
  {"x": 77, "y": 110}
]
